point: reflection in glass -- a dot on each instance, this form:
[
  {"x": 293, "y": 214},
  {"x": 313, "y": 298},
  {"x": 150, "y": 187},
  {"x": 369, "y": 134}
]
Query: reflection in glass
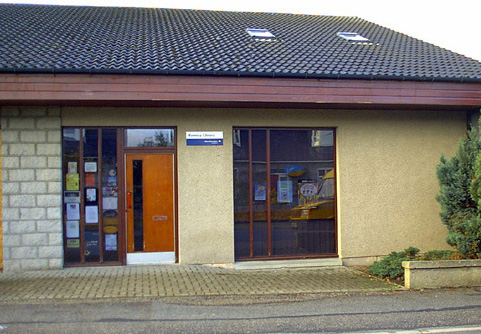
[
  {"x": 90, "y": 157},
  {"x": 301, "y": 197},
  {"x": 90, "y": 145},
  {"x": 90, "y": 195},
  {"x": 91, "y": 243},
  {"x": 71, "y": 160},
  {"x": 150, "y": 138},
  {"x": 241, "y": 193},
  {"x": 138, "y": 202},
  {"x": 259, "y": 173},
  {"x": 110, "y": 217}
]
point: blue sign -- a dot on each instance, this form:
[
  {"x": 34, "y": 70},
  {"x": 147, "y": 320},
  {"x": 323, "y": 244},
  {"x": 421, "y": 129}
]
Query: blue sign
[
  {"x": 205, "y": 138},
  {"x": 204, "y": 142}
]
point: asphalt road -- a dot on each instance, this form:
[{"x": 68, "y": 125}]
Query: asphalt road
[{"x": 458, "y": 310}]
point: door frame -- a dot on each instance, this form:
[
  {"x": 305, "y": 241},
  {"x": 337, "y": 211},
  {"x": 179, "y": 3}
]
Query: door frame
[{"x": 123, "y": 151}]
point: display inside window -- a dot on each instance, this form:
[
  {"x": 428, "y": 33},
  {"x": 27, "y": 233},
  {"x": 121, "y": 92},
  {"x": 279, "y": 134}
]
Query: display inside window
[{"x": 91, "y": 225}]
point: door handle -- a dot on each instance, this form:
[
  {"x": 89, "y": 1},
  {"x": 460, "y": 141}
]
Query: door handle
[{"x": 129, "y": 200}]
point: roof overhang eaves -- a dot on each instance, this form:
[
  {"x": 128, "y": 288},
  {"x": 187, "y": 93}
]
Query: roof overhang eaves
[
  {"x": 115, "y": 89},
  {"x": 339, "y": 76}
]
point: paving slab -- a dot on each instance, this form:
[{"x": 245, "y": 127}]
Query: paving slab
[{"x": 181, "y": 280}]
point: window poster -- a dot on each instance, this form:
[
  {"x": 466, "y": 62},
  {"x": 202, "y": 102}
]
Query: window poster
[
  {"x": 72, "y": 182},
  {"x": 112, "y": 181},
  {"x": 90, "y": 167},
  {"x": 73, "y": 211},
  {"x": 73, "y": 243},
  {"x": 91, "y": 214},
  {"x": 284, "y": 191},
  {"x": 71, "y": 196},
  {"x": 110, "y": 191},
  {"x": 72, "y": 167},
  {"x": 90, "y": 179},
  {"x": 109, "y": 203},
  {"x": 91, "y": 194},
  {"x": 260, "y": 192},
  {"x": 73, "y": 230},
  {"x": 91, "y": 243},
  {"x": 111, "y": 242},
  {"x": 307, "y": 192}
]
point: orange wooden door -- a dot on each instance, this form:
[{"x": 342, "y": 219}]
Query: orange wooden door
[{"x": 150, "y": 202}]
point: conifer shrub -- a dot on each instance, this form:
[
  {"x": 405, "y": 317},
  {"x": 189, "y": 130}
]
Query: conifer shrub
[{"x": 460, "y": 196}]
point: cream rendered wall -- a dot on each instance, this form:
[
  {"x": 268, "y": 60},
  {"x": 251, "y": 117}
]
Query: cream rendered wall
[
  {"x": 386, "y": 163},
  {"x": 387, "y": 180}
]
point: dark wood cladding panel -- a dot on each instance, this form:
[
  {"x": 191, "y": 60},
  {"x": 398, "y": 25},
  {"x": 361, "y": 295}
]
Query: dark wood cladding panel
[
  {"x": 207, "y": 89},
  {"x": 159, "y": 89}
]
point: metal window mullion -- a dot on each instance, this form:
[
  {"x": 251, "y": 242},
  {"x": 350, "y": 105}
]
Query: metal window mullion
[
  {"x": 268, "y": 191},
  {"x": 251, "y": 199},
  {"x": 82, "y": 195},
  {"x": 99, "y": 194}
]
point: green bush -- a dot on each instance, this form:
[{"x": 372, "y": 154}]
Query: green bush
[
  {"x": 391, "y": 265},
  {"x": 460, "y": 196},
  {"x": 439, "y": 255},
  {"x": 412, "y": 252}
]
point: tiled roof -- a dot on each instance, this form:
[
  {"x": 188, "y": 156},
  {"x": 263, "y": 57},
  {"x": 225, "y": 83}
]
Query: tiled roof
[{"x": 65, "y": 39}]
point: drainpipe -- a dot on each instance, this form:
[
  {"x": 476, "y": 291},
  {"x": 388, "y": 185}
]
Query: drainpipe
[{"x": 472, "y": 120}]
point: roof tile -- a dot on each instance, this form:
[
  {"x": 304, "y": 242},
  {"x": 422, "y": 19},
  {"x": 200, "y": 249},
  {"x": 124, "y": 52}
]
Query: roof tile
[{"x": 149, "y": 40}]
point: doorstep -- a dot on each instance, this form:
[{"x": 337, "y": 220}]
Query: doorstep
[
  {"x": 150, "y": 258},
  {"x": 278, "y": 264}
]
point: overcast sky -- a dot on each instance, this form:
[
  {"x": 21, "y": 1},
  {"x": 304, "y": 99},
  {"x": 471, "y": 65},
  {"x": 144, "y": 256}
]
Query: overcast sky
[{"x": 455, "y": 25}]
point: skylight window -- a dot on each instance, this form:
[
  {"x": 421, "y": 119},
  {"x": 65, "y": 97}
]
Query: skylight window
[
  {"x": 260, "y": 33},
  {"x": 353, "y": 36}
]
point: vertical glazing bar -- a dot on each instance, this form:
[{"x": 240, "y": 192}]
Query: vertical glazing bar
[
  {"x": 122, "y": 239},
  {"x": 251, "y": 193},
  {"x": 268, "y": 192},
  {"x": 334, "y": 143},
  {"x": 82, "y": 195},
  {"x": 99, "y": 195}
]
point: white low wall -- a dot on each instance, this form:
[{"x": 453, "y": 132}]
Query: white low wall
[{"x": 439, "y": 274}]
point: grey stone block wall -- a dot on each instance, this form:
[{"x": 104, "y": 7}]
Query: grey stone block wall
[{"x": 32, "y": 202}]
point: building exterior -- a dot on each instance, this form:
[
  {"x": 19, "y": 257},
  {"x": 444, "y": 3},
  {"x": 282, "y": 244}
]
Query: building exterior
[{"x": 135, "y": 135}]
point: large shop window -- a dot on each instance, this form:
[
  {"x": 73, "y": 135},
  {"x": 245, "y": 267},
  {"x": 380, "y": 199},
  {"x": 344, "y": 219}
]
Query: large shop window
[
  {"x": 91, "y": 202},
  {"x": 284, "y": 193}
]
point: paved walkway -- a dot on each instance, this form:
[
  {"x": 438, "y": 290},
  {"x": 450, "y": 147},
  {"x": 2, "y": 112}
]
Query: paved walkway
[{"x": 180, "y": 280}]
